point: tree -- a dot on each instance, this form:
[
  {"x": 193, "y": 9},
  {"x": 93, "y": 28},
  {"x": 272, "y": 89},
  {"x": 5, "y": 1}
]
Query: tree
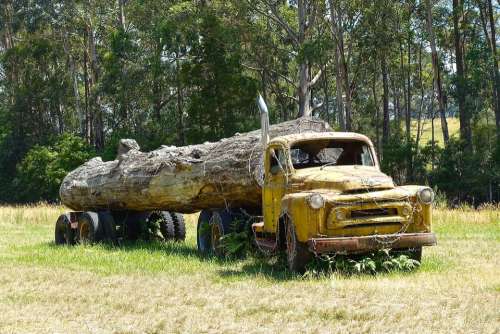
[
  {"x": 308, "y": 12},
  {"x": 461, "y": 88},
  {"x": 436, "y": 72}
]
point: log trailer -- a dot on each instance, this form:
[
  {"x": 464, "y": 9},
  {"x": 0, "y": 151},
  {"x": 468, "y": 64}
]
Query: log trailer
[{"x": 321, "y": 192}]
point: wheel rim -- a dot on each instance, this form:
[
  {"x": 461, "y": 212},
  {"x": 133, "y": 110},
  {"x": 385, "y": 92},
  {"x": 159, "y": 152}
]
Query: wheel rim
[
  {"x": 215, "y": 238},
  {"x": 84, "y": 231}
]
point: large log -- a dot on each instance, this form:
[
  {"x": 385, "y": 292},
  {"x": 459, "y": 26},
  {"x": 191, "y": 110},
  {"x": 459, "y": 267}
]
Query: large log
[{"x": 182, "y": 179}]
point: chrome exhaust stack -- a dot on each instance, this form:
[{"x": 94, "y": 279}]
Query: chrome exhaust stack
[{"x": 264, "y": 121}]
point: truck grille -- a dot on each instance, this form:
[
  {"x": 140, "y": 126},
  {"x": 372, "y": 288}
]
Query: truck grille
[{"x": 379, "y": 212}]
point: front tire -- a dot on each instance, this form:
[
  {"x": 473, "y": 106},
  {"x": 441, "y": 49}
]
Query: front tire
[
  {"x": 297, "y": 253},
  {"x": 412, "y": 253},
  {"x": 415, "y": 254}
]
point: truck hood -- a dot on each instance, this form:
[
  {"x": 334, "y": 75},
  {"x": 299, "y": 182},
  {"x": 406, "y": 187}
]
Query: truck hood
[{"x": 341, "y": 179}]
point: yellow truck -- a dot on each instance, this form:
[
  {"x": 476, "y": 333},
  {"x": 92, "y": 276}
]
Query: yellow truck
[
  {"x": 324, "y": 193},
  {"x": 318, "y": 193}
]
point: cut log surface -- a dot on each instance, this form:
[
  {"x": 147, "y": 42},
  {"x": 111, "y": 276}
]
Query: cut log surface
[{"x": 181, "y": 179}]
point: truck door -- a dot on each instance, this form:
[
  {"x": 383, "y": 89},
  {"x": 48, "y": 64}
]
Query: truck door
[{"x": 274, "y": 186}]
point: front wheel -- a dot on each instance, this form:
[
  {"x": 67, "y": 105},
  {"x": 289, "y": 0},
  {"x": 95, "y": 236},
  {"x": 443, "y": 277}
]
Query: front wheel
[
  {"x": 415, "y": 254},
  {"x": 297, "y": 253},
  {"x": 412, "y": 253}
]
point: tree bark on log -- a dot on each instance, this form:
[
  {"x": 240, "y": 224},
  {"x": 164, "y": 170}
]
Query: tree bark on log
[{"x": 181, "y": 179}]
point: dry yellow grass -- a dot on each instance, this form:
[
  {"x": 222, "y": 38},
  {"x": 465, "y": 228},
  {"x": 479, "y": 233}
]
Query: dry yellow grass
[{"x": 168, "y": 288}]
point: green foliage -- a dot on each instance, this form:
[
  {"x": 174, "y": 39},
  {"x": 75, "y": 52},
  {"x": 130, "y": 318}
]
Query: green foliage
[
  {"x": 371, "y": 264},
  {"x": 182, "y": 72},
  {"x": 42, "y": 170},
  {"x": 239, "y": 242}
]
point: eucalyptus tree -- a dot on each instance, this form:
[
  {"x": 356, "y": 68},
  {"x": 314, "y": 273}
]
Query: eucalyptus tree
[{"x": 297, "y": 20}]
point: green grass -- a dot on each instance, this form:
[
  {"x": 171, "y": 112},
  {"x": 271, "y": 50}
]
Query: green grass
[
  {"x": 168, "y": 287},
  {"x": 426, "y": 136}
]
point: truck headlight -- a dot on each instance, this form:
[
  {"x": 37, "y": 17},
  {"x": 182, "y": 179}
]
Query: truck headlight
[
  {"x": 426, "y": 196},
  {"x": 316, "y": 201}
]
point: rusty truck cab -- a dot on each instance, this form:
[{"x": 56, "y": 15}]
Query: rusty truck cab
[{"x": 326, "y": 193}]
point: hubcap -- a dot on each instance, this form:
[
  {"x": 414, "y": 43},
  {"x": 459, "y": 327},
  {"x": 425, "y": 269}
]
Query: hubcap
[
  {"x": 216, "y": 235},
  {"x": 84, "y": 231}
]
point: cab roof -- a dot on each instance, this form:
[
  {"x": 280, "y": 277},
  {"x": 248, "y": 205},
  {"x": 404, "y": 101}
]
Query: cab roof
[{"x": 297, "y": 137}]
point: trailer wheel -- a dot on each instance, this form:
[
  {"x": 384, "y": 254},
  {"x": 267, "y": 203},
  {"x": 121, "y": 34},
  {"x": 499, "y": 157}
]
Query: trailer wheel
[
  {"x": 297, "y": 253},
  {"x": 216, "y": 233},
  {"x": 203, "y": 232},
  {"x": 167, "y": 227},
  {"x": 88, "y": 228},
  {"x": 179, "y": 225},
  {"x": 108, "y": 226},
  {"x": 63, "y": 232},
  {"x": 212, "y": 226}
]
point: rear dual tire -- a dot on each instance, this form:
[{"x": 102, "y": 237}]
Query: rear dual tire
[
  {"x": 96, "y": 226},
  {"x": 171, "y": 225}
]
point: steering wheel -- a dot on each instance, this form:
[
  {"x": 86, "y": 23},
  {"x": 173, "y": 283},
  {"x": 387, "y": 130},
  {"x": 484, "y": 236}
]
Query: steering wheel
[{"x": 309, "y": 160}]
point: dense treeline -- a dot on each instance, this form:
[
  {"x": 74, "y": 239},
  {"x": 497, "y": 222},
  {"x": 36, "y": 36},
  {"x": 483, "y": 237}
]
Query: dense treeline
[{"x": 75, "y": 76}]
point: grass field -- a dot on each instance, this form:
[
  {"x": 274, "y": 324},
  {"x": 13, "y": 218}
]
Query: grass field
[
  {"x": 453, "y": 130},
  {"x": 154, "y": 288}
]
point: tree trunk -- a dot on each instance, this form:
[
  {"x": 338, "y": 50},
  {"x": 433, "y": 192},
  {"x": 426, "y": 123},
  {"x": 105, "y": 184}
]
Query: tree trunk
[
  {"x": 121, "y": 13},
  {"x": 74, "y": 78},
  {"x": 182, "y": 179},
  {"x": 437, "y": 73},
  {"x": 338, "y": 31},
  {"x": 377, "y": 120},
  {"x": 465, "y": 119},
  {"x": 88, "y": 113},
  {"x": 385, "y": 84},
  {"x": 304, "y": 91},
  {"x": 491, "y": 38},
  {"x": 408, "y": 84},
  {"x": 180, "y": 109},
  {"x": 422, "y": 98},
  {"x": 496, "y": 74},
  {"x": 338, "y": 86},
  {"x": 98, "y": 124},
  {"x": 403, "y": 83}
]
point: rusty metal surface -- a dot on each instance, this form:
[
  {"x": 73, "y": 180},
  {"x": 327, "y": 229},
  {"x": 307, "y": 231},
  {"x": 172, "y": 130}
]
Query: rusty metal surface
[{"x": 368, "y": 243}]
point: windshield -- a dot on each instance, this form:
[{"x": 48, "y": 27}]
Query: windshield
[{"x": 331, "y": 152}]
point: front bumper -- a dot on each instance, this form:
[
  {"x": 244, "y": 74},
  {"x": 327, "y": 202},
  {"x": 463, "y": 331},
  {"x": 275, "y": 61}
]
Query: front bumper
[{"x": 351, "y": 245}]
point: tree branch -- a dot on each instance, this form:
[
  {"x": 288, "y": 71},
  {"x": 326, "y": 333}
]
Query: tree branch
[
  {"x": 316, "y": 78},
  {"x": 275, "y": 16}
]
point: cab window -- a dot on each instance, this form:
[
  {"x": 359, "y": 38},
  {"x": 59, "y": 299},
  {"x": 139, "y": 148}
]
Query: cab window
[
  {"x": 328, "y": 152},
  {"x": 277, "y": 160}
]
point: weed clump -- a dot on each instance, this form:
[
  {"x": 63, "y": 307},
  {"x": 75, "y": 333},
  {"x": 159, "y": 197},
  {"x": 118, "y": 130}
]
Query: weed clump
[{"x": 382, "y": 261}]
